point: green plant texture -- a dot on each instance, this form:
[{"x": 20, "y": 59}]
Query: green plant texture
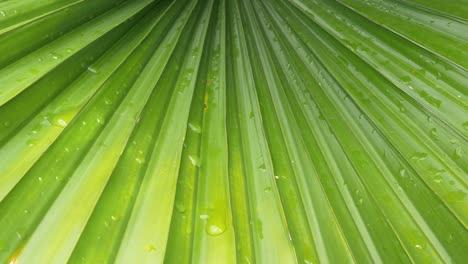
[{"x": 233, "y": 131}]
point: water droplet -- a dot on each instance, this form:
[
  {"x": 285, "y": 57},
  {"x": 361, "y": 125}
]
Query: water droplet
[
  {"x": 91, "y": 69},
  {"x": 99, "y": 120},
  {"x": 180, "y": 207},
  {"x": 419, "y": 156},
  {"x": 458, "y": 153},
  {"x": 405, "y": 79},
  {"x": 437, "y": 179},
  {"x": 61, "y": 122},
  {"x": 107, "y": 101},
  {"x": 418, "y": 246},
  {"x": 194, "y": 160},
  {"x": 140, "y": 160},
  {"x": 262, "y": 167},
  {"x": 63, "y": 118},
  {"x": 321, "y": 117},
  {"x": 203, "y": 216},
  {"x": 150, "y": 248},
  {"x": 402, "y": 173},
  {"x": 430, "y": 99},
  {"x": 115, "y": 218},
  {"x": 2, "y": 13},
  {"x": 32, "y": 142},
  {"x": 401, "y": 107},
  {"x": 40, "y": 179},
  {"x": 195, "y": 128},
  {"x": 214, "y": 230}
]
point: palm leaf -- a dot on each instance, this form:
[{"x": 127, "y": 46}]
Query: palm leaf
[{"x": 233, "y": 131}]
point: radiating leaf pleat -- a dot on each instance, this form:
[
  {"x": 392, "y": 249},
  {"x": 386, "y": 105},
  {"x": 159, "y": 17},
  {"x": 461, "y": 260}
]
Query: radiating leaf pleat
[{"x": 233, "y": 131}]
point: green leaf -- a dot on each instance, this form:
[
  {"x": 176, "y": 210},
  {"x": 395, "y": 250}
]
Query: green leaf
[{"x": 233, "y": 131}]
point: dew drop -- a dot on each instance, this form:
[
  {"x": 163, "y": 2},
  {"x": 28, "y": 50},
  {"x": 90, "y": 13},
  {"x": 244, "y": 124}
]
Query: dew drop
[
  {"x": 203, "y": 216},
  {"x": 214, "y": 230},
  {"x": 195, "y": 128},
  {"x": 150, "y": 248},
  {"x": 180, "y": 207},
  {"x": 32, "y": 142},
  {"x": 458, "y": 153},
  {"x": 262, "y": 167},
  {"x": 61, "y": 122},
  {"x": 401, "y": 107},
  {"x": 91, "y": 69},
  {"x": 405, "y": 79},
  {"x": 99, "y": 120},
  {"x": 419, "y": 156},
  {"x": 402, "y": 173},
  {"x": 194, "y": 160},
  {"x": 437, "y": 179}
]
